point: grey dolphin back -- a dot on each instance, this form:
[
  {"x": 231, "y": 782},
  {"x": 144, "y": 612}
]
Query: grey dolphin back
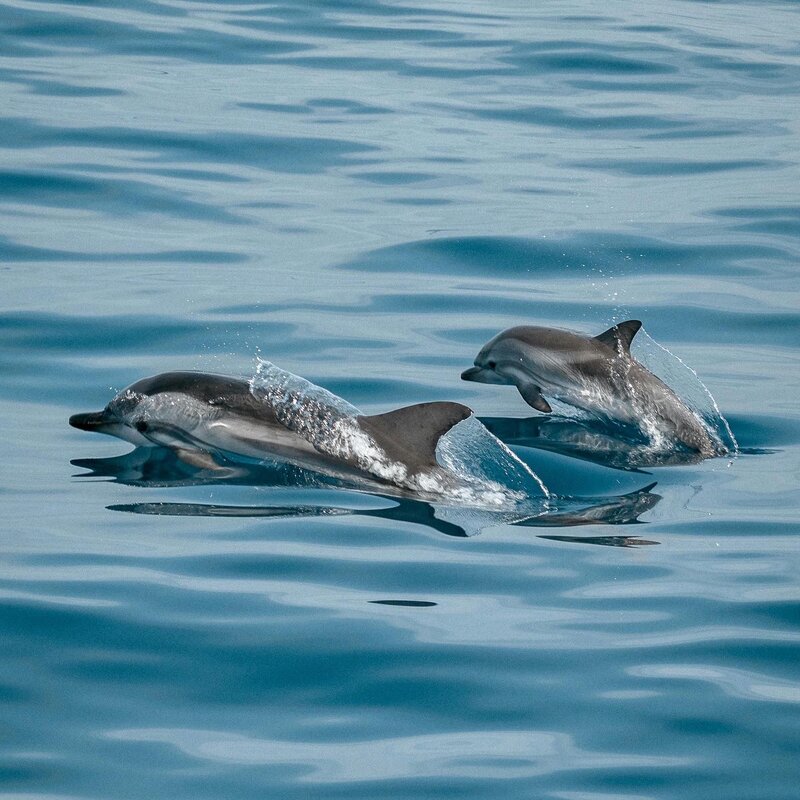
[
  {"x": 619, "y": 337},
  {"x": 410, "y": 434},
  {"x": 221, "y": 390}
]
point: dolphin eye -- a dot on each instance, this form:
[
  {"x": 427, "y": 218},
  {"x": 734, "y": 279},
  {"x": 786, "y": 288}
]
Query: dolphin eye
[
  {"x": 492, "y": 364},
  {"x": 141, "y": 426}
]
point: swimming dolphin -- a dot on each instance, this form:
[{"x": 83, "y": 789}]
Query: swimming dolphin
[
  {"x": 597, "y": 374},
  {"x": 198, "y": 415}
]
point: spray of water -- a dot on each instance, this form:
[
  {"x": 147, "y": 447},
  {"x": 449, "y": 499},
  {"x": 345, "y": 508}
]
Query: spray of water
[
  {"x": 476, "y": 468},
  {"x": 675, "y": 372},
  {"x": 469, "y": 449},
  {"x": 324, "y": 420},
  {"x": 658, "y": 441}
]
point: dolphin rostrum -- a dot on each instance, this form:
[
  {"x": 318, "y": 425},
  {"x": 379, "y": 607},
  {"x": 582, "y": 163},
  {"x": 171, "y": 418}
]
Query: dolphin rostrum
[
  {"x": 597, "y": 374},
  {"x": 198, "y": 415}
]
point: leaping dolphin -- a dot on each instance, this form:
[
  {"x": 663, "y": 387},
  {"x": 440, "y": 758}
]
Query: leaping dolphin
[
  {"x": 597, "y": 374},
  {"x": 197, "y": 415}
]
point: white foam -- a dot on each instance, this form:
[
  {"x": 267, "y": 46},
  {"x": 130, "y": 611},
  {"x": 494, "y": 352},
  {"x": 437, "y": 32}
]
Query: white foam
[
  {"x": 324, "y": 420},
  {"x": 476, "y": 469}
]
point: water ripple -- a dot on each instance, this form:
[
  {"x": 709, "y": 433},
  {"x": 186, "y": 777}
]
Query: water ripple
[
  {"x": 468, "y": 754},
  {"x": 366, "y": 191}
]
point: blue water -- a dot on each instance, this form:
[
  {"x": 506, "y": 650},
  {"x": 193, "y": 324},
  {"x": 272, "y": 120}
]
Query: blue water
[{"x": 364, "y": 192}]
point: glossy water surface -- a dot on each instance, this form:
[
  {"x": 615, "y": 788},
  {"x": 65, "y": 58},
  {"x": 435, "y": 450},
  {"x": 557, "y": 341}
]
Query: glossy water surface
[{"x": 364, "y": 192}]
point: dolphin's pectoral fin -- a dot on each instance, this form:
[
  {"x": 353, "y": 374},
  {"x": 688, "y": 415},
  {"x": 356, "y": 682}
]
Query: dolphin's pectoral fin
[
  {"x": 410, "y": 434},
  {"x": 620, "y": 336},
  {"x": 198, "y": 458},
  {"x": 532, "y": 395},
  {"x": 180, "y": 442}
]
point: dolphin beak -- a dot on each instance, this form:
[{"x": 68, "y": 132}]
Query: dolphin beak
[
  {"x": 483, "y": 375},
  {"x": 91, "y": 421}
]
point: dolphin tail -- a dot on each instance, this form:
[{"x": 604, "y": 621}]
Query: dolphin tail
[
  {"x": 620, "y": 336},
  {"x": 410, "y": 434}
]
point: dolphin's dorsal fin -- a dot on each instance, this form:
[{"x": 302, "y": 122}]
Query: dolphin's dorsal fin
[
  {"x": 621, "y": 335},
  {"x": 410, "y": 434}
]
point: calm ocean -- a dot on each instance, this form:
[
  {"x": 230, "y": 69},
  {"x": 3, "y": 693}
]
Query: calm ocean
[{"x": 364, "y": 192}]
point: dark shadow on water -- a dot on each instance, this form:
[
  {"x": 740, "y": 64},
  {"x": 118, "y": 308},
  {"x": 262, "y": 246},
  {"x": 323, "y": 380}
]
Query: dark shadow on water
[
  {"x": 606, "y": 541},
  {"x": 161, "y": 468},
  {"x": 404, "y": 603},
  {"x": 413, "y": 511},
  {"x": 216, "y": 510}
]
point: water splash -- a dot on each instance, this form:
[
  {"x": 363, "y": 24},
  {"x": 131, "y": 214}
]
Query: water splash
[
  {"x": 677, "y": 374},
  {"x": 324, "y": 420},
  {"x": 476, "y": 469},
  {"x": 657, "y": 438},
  {"x": 470, "y": 449}
]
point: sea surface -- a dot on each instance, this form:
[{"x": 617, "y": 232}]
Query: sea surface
[{"x": 364, "y": 192}]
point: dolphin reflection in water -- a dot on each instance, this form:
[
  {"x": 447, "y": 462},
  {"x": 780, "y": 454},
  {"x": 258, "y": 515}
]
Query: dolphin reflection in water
[{"x": 162, "y": 468}]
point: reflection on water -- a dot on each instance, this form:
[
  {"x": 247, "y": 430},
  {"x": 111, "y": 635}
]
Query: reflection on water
[
  {"x": 213, "y": 510},
  {"x": 606, "y": 541},
  {"x": 366, "y": 191},
  {"x": 624, "y": 509},
  {"x": 477, "y": 754},
  {"x": 404, "y": 603},
  {"x": 161, "y": 468},
  {"x": 616, "y": 446}
]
